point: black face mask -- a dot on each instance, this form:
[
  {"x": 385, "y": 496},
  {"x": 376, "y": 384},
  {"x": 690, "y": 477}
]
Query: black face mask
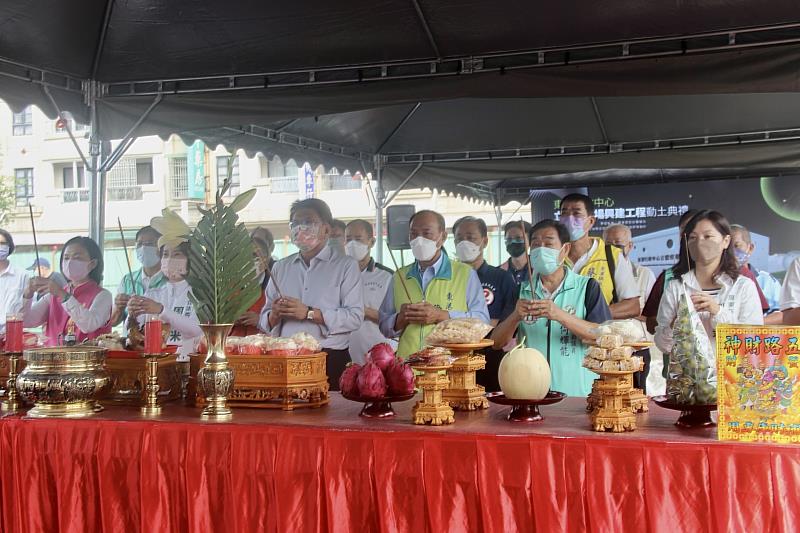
[{"x": 515, "y": 248}]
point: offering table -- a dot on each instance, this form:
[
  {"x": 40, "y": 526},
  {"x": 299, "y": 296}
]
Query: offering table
[{"x": 330, "y": 470}]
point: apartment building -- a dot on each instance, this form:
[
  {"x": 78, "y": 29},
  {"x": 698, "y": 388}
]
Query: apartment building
[{"x": 49, "y": 174}]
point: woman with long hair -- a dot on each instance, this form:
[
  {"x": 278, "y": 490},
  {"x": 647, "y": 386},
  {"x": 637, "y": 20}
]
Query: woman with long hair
[
  {"x": 81, "y": 309},
  {"x": 708, "y": 271}
]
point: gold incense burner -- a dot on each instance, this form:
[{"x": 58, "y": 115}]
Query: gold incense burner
[{"x": 65, "y": 381}]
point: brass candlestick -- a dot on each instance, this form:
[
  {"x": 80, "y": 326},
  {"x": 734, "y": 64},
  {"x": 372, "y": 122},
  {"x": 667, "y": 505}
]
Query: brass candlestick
[
  {"x": 151, "y": 406},
  {"x": 13, "y": 402}
]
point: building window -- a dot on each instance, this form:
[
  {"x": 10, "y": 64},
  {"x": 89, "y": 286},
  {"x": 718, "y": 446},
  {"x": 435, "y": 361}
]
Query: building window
[
  {"x": 23, "y": 122},
  {"x": 60, "y": 126},
  {"x": 177, "y": 178},
  {"x": 283, "y": 178},
  {"x": 127, "y": 176},
  {"x": 73, "y": 177},
  {"x": 23, "y": 181},
  {"x": 222, "y": 174}
]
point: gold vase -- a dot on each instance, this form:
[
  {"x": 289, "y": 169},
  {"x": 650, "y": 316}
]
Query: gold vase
[{"x": 215, "y": 379}]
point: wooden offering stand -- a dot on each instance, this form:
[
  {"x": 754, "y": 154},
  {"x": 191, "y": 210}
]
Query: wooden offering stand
[
  {"x": 611, "y": 402},
  {"x": 286, "y": 382},
  {"x": 463, "y": 393},
  {"x": 432, "y": 409}
]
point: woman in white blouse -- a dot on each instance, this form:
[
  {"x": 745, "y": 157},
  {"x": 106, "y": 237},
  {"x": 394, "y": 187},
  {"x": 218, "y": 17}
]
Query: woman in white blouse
[
  {"x": 171, "y": 301},
  {"x": 708, "y": 272},
  {"x": 78, "y": 311}
]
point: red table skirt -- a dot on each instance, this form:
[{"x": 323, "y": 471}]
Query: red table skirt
[{"x": 137, "y": 475}]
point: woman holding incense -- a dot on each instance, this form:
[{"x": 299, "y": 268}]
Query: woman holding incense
[
  {"x": 171, "y": 302},
  {"x": 77, "y": 311},
  {"x": 559, "y": 313},
  {"x": 247, "y": 324}
]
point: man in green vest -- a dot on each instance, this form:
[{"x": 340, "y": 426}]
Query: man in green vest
[
  {"x": 147, "y": 277},
  {"x": 430, "y": 290}
]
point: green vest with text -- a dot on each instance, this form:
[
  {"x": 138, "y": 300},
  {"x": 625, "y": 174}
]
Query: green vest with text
[
  {"x": 563, "y": 350},
  {"x": 447, "y": 290}
]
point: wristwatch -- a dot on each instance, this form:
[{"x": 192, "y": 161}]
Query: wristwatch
[{"x": 310, "y": 315}]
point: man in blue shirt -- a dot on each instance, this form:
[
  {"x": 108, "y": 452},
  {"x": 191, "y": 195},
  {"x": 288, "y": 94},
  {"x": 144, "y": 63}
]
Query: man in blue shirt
[
  {"x": 499, "y": 288},
  {"x": 430, "y": 290}
]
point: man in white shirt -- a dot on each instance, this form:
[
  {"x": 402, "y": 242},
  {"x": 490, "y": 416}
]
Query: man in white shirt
[
  {"x": 790, "y": 295},
  {"x": 12, "y": 281},
  {"x": 317, "y": 290},
  {"x": 620, "y": 235},
  {"x": 375, "y": 279},
  {"x": 590, "y": 256}
]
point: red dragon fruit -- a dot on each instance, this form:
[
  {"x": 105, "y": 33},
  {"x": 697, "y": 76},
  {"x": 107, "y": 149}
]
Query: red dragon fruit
[
  {"x": 400, "y": 378},
  {"x": 382, "y": 355},
  {"x": 347, "y": 381},
  {"x": 371, "y": 383}
]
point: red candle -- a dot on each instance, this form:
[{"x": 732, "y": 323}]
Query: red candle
[
  {"x": 14, "y": 340},
  {"x": 152, "y": 335}
]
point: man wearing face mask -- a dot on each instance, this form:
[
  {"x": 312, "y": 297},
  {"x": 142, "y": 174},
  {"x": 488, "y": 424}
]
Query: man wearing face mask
[
  {"x": 375, "y": 279},
  {"x": 743, "y": 248},
  {"x": 12, "y": 281},
  {"x": 320, "y": 289},
  {"x": 499, "y": 289},
  {"x": 559, "y": 314},
  {"x": 336, "y": 240},
  {"x": 517, "y": 264},
  {"x": 620, "y": 235},
  {"x": 592, "y": 257},
  {"x": 149, "y": 275},
  {"x": 439, "y": 288}
]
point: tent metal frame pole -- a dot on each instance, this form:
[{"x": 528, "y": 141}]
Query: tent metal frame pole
[
  {"x": 97, "y": 186},
  {"x": 298, "y": 141},
  {"x": 498, "y": 213},
  {"x": 705, "y": 141},
  {"x": 380, "y": 203},
  {"x": 496, "y": 62},
  {"x": 129, "y": 138},
  {"x": 402, "y": 185},
  {"x": 68, "y": 127}
]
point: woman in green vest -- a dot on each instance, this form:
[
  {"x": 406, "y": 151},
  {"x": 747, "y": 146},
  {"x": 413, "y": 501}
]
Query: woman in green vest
[{"x": 559, "y": 314}]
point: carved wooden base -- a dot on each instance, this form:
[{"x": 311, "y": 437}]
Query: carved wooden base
[
  {"x": 464, "y": 394},
  {"x": 284, "y": 382},
  {"x": 129, "y": 380},
  {"x": 432, "y": 409},
  {"x": 614, "y": 402},
  {"x": 435, "y": 415},
  {"x": 614, "y": 421}
]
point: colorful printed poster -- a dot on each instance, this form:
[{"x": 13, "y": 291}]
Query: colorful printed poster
[{"x": 758, "y": 394}]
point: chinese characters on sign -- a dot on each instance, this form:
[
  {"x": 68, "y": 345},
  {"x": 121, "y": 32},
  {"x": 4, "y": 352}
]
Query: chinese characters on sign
[
  {"x": 758, "y": 369},
  {"x": 305, "y": 177}
]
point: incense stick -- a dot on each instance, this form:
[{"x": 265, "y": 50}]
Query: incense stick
[
  {"x": 527, "y": 254},
  {"x": 35, "y": 243},
  {"x": 400, "y": 277},
  {"x": 127, "y": 257},
  {"x": 267, "y": 269}
]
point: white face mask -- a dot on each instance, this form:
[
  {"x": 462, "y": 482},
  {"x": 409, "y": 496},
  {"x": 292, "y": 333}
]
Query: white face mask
[
  {"x": 174, "y": 268},
  {"x": 423, "y": 249},
  {"x": 4, "y": 252},
  {"x": 148, "y": 256},
  {"x": 467, "y": 251},
  {"x": 356, "y": 250}
]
